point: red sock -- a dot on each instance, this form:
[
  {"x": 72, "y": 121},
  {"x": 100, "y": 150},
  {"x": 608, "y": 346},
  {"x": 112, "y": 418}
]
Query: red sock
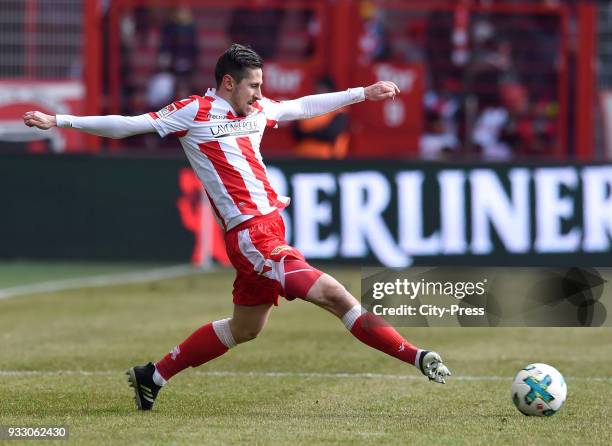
[
  {"x": 374, "y": 331},
  {"x": 202, "y": 346}
]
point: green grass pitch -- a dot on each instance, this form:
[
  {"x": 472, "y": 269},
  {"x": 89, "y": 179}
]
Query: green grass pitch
[{"x": 303, "y": 381}]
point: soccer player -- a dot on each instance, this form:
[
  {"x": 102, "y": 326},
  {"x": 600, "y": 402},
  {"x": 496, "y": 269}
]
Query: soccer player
[{"x": 220, "y": 133}]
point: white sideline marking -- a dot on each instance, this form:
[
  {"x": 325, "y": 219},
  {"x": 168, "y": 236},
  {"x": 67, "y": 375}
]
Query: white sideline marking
[
  {"x": 99, "y": 281},
  {"x": 26, "y": 373}
]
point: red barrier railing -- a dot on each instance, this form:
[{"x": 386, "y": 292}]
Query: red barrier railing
[
  {"x": 435, "y": 35},
  {"x": 438, "y": 43}
]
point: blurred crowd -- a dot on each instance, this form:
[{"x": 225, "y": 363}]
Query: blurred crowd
[
  {"x": 492, "y": 78},
  {"x": 169, "y": 53}
]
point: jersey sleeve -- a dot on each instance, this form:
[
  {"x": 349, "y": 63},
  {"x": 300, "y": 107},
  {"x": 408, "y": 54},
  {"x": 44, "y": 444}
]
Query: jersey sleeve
[
  {"x": 309, "y": 106},
  {"x": 273, "y": 111},
  {"x": 175, "y": 118}
]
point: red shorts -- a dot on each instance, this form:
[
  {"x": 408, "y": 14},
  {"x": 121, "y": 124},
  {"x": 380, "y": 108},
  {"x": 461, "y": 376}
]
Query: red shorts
[{"x": 266, "y": 265}]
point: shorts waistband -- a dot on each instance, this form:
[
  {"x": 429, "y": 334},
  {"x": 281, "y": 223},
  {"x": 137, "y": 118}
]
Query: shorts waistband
[{"x": 253, "y": 221}]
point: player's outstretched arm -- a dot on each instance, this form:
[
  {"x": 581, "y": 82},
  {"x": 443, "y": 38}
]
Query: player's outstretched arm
[
  {"x": 319, "y": 104},
  {"x": 112, "y": 126}
]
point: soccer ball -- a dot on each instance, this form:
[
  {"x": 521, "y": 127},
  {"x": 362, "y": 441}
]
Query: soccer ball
[{"x": 539, "y": 390}]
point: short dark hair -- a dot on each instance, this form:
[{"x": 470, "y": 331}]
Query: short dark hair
[{"x": 234, "y": 62}]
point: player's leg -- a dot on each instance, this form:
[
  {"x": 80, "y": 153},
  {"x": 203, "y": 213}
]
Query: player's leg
[
  {"x": 203, "y": 345},
  {"x": 372, "y": 330},
  {"x": 329, "y": 294},
  {"x": 214, "y": 339},
  {"x": 248, "y": 321}
]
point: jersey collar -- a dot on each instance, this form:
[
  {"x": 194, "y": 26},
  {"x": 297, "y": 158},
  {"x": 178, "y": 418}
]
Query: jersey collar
[
  {"x": 232, "y": 113},
  {"x": 213, "y": 93}
]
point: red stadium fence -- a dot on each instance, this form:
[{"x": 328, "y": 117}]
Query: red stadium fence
[
  {"x": 49, "y": 60},
  {"x": 453, "y": 60}
]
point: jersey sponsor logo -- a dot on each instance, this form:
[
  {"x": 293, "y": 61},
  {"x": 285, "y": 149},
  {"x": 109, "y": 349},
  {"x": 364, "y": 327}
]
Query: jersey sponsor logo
[
  {"x": 214, "y": 116},
  {"x": 280, "y": 249},
  {"x": 235, "y": 128}
]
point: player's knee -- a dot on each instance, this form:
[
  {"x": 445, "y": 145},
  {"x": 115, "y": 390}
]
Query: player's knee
[
  {"x": 328, "y": 293},
  {"x": 245, "y": 334},
  {"x": 333, "y": 294}
]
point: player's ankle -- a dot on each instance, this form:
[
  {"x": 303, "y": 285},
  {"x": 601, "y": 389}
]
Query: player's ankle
[
  {"x": 158, "y": 378},
  {"x": 418, "y": 357}
]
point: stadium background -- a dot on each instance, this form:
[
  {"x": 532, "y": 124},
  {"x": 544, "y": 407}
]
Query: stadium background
[
  {"x": 544, "y": 65},
  {"x": 91, "y": 230}
]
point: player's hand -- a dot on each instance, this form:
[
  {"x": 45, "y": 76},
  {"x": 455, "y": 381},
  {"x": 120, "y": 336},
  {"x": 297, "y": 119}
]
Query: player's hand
[
  {"x": 381, "y": 90},
  {"x": 39, "y": 120}
]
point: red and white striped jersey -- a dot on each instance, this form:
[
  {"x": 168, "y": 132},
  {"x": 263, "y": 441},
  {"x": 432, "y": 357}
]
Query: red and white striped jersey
[{"x": 223, "y": 150}]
